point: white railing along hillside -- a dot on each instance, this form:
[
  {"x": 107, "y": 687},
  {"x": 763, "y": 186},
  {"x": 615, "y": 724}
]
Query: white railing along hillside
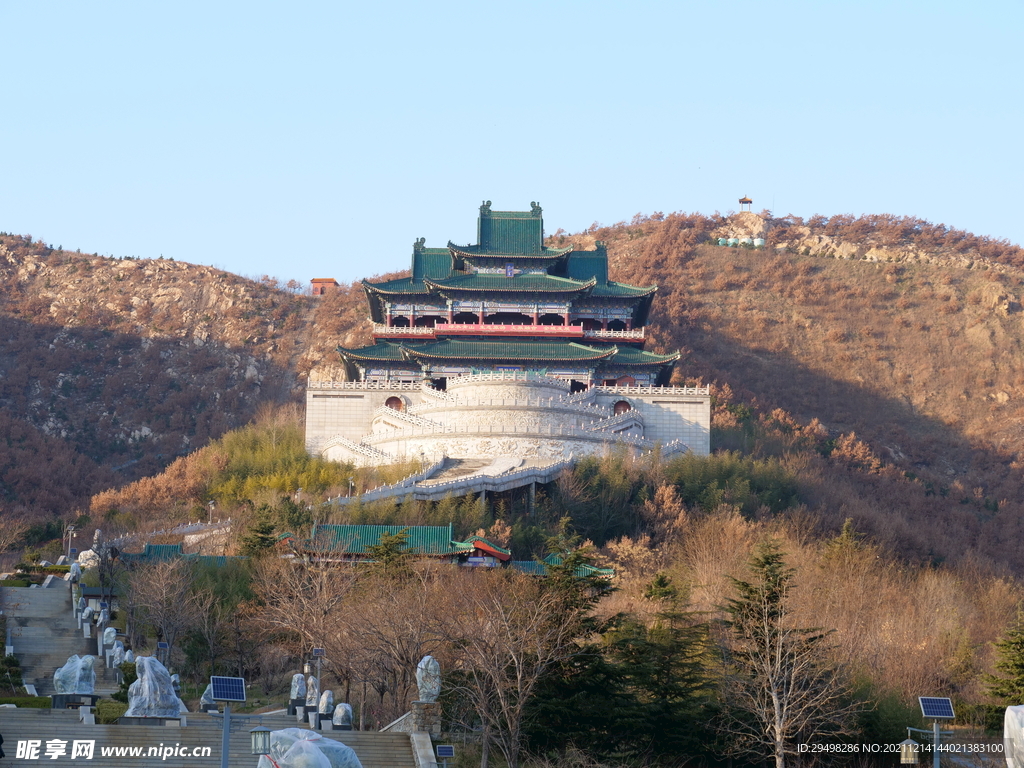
[
  {"x": 359, "y": 448},
  {"x": 685, "y": 391},
  {"x": 462, "y": 486},
  {"x": 383, "y": 491},
  {"x": 407, "y": 416},
  {"x": 399, "y": 386},
  {"x": 502, "y": 429}
]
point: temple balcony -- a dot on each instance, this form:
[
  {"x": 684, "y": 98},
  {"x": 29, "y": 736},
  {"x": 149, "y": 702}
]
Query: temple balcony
[
  {"x": 399, "y": 332},
  {"x": 637, "y": 334},
  {"x": 501, "y": 329}
]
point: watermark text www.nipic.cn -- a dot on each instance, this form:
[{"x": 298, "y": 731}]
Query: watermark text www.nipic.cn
[{"x": 85, "y": 749}]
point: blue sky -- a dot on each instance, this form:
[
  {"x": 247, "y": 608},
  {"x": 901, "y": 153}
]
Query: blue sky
[{"x": 317, "y": 139}]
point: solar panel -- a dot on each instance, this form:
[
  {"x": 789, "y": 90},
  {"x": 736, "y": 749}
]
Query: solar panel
[
  {"x": 445, "y": 750},
  {"x": 318, "y": 653},
  {"x": 163, "y": 647},
  {"x": 228, "y": 688},
  {"x": 935, "y": 708}
]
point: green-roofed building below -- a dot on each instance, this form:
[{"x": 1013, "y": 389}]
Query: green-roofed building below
[
  {"x": 162, "y": 553},
  {"x": 353, "y": 543}
]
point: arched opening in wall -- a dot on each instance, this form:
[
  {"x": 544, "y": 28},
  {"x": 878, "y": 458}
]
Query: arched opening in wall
[
  {"x": 616, "y": 325},
  {"x": 589, "y": 324},
  {"x": 399, "y": 322},
  {"x": 622, "y": 407},
  {"x": 428, "y": 321},
  {"x": 577, "y": 386},
  {"x": 508, "y": 318},
  {"x": 465, "y": 318},
  {"x": 394, "y": 403},
  {"x": 550, "y": 319}
]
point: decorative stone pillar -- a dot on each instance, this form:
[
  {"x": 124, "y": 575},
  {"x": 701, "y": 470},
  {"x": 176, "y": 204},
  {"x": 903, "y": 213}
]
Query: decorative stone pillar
[{"x": 426, "y": 717}]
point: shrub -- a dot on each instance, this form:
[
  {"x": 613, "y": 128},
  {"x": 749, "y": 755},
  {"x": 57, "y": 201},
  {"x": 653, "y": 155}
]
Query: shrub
[
  {"x": 107, "y": 711},
  {"x": 27, "y": 702}
]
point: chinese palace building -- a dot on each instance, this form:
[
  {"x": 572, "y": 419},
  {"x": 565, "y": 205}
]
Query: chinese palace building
[{"x": 505, "y": 348}]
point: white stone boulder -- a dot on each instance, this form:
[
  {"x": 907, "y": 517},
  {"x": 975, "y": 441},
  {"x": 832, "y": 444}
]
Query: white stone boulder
[
  {"x": 152, "y": 695},
  {"x": 312, "y": 691},
  {"x": 326, "y": 703},
  {"x": 342, "y": 714},
  {"x": 298, "y": 686},
  {"x": 299, "y": 748},
  {"x": 428, "y": 679},
  {"x": 76, "y": 676}
]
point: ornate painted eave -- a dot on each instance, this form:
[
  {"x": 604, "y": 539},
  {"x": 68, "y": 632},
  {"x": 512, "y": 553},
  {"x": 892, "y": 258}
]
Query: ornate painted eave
[
  {"x": 546, "y": 255},
  {"x": 523, "y": 351},
  {"x": 379, "y": 352},
  {"x": 477, "y": 283}
]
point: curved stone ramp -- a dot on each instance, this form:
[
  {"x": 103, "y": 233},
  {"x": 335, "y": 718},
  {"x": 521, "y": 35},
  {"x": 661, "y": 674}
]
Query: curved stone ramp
[{"x": 455, "y": 468}]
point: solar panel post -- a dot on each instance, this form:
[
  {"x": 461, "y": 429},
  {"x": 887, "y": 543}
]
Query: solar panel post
[{"x": 225, "y": 738}]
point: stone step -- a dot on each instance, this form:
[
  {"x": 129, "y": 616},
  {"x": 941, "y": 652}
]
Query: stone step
[{"x": 375, "y": 750}]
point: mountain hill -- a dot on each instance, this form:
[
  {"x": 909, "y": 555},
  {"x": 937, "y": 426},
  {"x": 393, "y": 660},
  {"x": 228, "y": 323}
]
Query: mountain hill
[
  {"x": 890, "y": 343},
  {"x": 111, "y": 368}
]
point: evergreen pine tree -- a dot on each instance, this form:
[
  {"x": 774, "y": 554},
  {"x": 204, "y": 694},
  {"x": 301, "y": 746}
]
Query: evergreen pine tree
[{"x": 1009, "y": 688}]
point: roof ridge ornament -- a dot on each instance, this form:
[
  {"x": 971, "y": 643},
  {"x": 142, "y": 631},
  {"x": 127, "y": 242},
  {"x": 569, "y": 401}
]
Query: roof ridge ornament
[
  {"x": 420, "y": 244},
  {"x": 535, "y": 209},
  {"x": 485, "y": 208}
]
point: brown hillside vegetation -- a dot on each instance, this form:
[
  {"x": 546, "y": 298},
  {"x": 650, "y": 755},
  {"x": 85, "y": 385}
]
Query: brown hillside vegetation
[
  {"x": 110, "y": 368},
  {"x": 917, "y": 354}
]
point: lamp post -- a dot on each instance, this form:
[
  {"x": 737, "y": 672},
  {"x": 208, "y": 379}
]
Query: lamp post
[
  {"x": 351, "y": 485},
  {"x": 211, "y": 505},
  {"x": 260, "y": 736},
  {"x": 69, "y": 534},
  {"x": 908, "y": 752}
]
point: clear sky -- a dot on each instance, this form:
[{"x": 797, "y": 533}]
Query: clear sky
[{"x": 319, "y": 139}]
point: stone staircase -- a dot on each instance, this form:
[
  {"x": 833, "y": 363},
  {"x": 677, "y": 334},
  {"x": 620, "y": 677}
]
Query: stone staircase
[
  {"x": 44, "y": 633},
  {"x": 454, "y": 468},
  {"x": 375, "y": 750}
]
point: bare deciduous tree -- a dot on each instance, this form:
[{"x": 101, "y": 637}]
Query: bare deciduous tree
[
  {"x": 163, "y": 592},
  {"x": 784, "y": 687},
  {"x": 506, "y": 630}
]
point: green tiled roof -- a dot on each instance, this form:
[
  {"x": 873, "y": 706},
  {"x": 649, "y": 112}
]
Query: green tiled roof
[
  {"x": 479, "y": 251},
  {"x": 622, "y": 290},
  {"x": 435, "y": 263},
  {"x": 634, "y": 356},
  {"x": 153, "y": 553},
  {"x": 540, "y": 568},
  {"x": 584, "y": 265},
  {"x": 510, "y": 231},
  {"x": 401, "y": 285},
  {"x": 534, "y": 350},
  {"x": 472, "y": 543},
  {"x": 527, "y": 283},
  {"x": 158, "y": 553},
  {"x": 382, "y": 351},
  {"x": 354, "y": 539}
]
